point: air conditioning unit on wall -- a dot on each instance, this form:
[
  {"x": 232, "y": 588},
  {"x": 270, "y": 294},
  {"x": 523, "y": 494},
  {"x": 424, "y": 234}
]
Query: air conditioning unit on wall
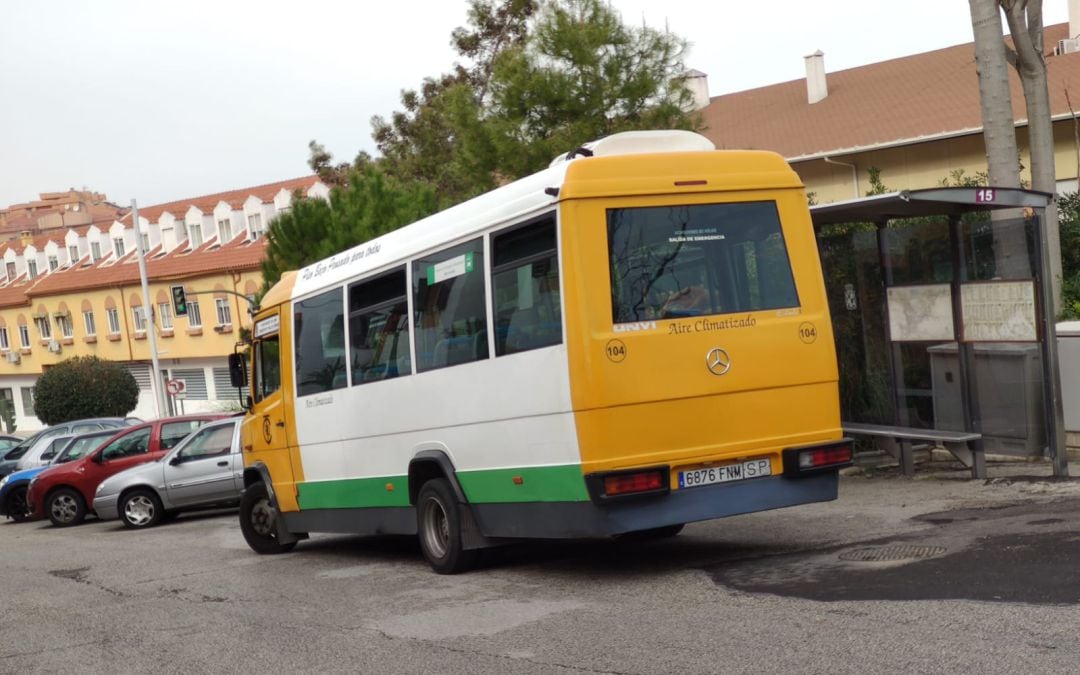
[
  {"x": 13, "y": 357},
  {"x": 54, "y": 346}
]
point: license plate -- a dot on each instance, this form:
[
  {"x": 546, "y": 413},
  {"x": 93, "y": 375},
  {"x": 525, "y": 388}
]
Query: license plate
[{"x": 725, "y": 473}]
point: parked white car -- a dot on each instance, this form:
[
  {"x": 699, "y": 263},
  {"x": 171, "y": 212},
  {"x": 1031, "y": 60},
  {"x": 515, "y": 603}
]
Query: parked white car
[{"x": 205, "y": 470}]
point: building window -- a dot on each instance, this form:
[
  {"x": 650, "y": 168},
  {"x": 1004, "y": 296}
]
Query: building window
[
  {"x": 255, "y": 225},
  {"x": 4, "y": 344},
  {"x": 44, "y": 328},
  {"x": 165, "y": 314},
  {"x": 11, "y": 271},
  {"x": 28, "y": 401},
  {"x": 54, "y": 263},
  {"x": 194, "y": 317},
  {"x": 224, "y": 227},
  {"x": 66, "y": 329},
  {"x": 138, "y": 319},
  {"x": 95, "y": 251},
  {"x": 114, "y": 320},
  {"x": 73, "y": 254},
  {"x": 24, "y": 336},
  {"x": 118, "y": 246},
  {"x": 195, "y": 235},
  {"x": 145, "y": 239},
  {"x": 31, "y": 269},
  {"x": 88, "y": 321},
  {"x": 224, "y": 312}
]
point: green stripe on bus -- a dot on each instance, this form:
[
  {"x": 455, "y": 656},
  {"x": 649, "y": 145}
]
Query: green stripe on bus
[
  {"x": 353, "y": 493},
  {"x": 538, "y": 484},
  {"x": 491, "y": 486}
]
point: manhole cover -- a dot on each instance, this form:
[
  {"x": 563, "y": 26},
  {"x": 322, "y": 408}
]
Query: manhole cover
[{"x": 892, "y": 553}]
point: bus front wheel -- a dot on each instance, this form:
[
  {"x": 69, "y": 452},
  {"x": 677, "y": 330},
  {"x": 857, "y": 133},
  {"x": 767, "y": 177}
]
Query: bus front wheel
[
  {"x": 438, "y": 524},
  {"x": 258, "y": 521}
]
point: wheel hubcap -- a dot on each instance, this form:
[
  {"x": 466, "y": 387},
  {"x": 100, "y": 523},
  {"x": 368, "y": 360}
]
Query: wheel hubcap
[
  {"x": 262, "y": 518},
  {"x": 436, "y": 528},
  {"x": 139, "y": 510},
  {"x": 64, "y": 508}
]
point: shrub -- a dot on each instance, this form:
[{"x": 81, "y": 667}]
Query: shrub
[{"x": 84, "y": 386}]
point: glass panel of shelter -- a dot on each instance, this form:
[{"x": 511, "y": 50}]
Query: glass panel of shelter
[{"x": 901, "y": 379}]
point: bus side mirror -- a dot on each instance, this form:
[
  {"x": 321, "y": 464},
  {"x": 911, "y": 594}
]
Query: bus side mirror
[{"x": 237, "y": 370}]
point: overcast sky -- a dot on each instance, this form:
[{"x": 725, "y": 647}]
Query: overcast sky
[{"x": 162, "y": 100}]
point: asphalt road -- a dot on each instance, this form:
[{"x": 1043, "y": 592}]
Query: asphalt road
[{"x": 937, "y": 574}]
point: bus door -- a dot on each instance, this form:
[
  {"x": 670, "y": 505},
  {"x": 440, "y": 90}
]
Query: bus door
[{"x": 272, "y": 431}]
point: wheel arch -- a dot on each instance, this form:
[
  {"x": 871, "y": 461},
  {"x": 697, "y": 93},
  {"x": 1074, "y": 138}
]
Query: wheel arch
[
  {"x": 258, "y": 473},
  {"x": 428, "y": 464}
]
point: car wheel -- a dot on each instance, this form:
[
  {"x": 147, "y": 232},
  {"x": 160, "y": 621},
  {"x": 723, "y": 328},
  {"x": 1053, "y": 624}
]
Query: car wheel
[
  {"x": 140, "y": 508},
  {"x": 258, "y": 521},
  {"x": 65, "y": 507},
  {"x": 438, "y": 524},
  {"x": 16, "y": 506}
]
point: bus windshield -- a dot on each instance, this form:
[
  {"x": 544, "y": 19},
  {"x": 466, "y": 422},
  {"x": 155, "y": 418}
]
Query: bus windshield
[{"x": 690, "y": 260}]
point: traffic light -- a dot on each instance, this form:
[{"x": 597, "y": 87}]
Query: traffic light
[{"x": 179, "y": 301}]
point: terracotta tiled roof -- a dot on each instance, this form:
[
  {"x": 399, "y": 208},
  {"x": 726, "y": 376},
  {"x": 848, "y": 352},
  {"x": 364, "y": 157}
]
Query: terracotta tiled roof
[
  {"x": 915, "y": 97},
  {"x": 234, "y": 198},
  {"x": 239, "y": 255}
]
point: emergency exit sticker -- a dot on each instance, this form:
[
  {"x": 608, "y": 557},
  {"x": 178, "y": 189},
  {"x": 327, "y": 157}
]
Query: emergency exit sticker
[{"x": 448, "y": 269}]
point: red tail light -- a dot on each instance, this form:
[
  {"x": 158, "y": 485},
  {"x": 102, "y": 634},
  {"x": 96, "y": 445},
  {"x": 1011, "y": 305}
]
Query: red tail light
[
  {"x": 628, "y": 483},
  {"x": 799, "y": 461}
]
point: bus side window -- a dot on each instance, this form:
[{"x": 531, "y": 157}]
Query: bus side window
[
  {"x": 525, "y": 288},
  {"x": 379, "y": 328},
  {"x": 449, "y": 307},
  {"x": 320, "y": 343}
]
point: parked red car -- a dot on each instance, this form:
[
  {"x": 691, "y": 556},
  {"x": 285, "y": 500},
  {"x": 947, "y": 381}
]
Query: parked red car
[{"x": 63, "y": 492}]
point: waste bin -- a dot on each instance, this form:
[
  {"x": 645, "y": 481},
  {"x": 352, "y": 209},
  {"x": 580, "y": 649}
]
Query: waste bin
[
  {"x": 1068, "y": 333},
  {"x": 1008, "y": 395}
]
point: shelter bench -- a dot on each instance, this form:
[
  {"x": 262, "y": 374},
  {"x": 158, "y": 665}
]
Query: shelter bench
[{"x": 897, "y": 441}]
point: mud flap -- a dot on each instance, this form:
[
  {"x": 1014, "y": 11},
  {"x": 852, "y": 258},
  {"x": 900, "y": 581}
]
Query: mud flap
[{"x": 471, "y": 536}]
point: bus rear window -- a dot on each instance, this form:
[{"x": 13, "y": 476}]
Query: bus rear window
[{"x": 676, "y": 261}]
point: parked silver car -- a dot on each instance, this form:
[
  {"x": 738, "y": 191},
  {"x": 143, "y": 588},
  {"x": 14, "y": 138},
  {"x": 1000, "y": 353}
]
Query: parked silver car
[{"x": 204, "y": 470}]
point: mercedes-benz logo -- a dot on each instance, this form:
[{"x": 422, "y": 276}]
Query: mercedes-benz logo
[{"x": 718, "y": 361}]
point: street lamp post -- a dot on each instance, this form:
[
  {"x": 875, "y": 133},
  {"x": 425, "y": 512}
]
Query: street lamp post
[{"x": 148, "y": 317}]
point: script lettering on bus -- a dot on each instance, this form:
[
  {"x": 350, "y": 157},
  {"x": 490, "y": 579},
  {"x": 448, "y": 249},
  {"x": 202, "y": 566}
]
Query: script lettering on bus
[
  {"x": 319, "y": 400},
  {"x": 340, "y": 260},
  {"x": 709, "y": 325}
]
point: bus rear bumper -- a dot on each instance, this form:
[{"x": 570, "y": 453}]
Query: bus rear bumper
[{"x": 567, "y": 520}]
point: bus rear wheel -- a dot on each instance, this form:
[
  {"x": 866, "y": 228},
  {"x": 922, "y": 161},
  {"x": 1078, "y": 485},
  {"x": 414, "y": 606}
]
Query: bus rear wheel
[
  {"x": 258, "y": 521},
  {"x": 438, "y": 524}
]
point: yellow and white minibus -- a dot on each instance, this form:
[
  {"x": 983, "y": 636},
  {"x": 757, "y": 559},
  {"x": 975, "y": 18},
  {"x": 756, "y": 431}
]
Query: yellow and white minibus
[{"x": 633, "y": 339}]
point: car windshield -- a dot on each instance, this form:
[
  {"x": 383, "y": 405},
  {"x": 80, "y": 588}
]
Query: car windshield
[
  {"x": 79, "y": 447},
  {"x": 19, "y": 450}
]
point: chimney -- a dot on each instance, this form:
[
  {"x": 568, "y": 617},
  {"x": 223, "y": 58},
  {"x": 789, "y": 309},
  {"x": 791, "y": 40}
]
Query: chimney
[
  {"x": 697, "y": 83},
  {"x": 26, "y": 237},
  {"x": 816, "y": 87}
]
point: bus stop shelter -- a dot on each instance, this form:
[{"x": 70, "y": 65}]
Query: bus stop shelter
[{"x": 943, "y": 322}]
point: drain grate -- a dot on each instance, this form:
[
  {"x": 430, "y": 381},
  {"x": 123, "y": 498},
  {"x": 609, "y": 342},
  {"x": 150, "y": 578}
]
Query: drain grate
[{"x": 892, "y": 553}]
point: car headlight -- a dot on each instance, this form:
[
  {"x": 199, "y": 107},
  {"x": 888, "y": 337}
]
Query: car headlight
[
  {"x": 33, "y": 480},
  {"x": 100, "y": 487},
  {"x": 4, "y": 481}
]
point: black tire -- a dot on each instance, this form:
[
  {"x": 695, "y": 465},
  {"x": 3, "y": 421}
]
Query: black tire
[
  {"x": 140, "y": 508},
  {"x": 438, "y": 525},
  {"x": 16, "y": 506},
  {"x": 258, "y": 521},
  {"x": 65, "y": 507}
]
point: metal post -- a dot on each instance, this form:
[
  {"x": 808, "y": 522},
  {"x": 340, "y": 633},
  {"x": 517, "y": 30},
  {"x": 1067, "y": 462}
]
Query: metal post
[
  {"x": 156, "y": 385},
  {"x": 965, "y": 351},
  {"x": 1052, "y": 406}
]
